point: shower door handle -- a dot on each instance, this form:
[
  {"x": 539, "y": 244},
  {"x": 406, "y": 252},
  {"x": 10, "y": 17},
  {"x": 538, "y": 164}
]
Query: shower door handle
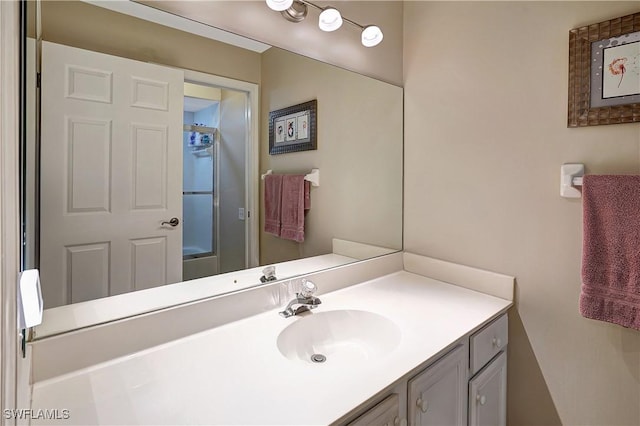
[{"x": 174, "y": 221}]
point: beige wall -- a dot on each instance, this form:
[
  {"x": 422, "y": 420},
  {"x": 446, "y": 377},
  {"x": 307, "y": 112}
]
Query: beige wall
[
  {"x": 90, "y": 27},
  {"x": 359, "y": 154},
  {"x": 485, "y": 125},
  {"x": 253, "y": 19}
]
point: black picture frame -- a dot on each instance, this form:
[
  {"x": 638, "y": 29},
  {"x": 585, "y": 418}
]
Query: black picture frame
[{"x": 294, "y": 128}]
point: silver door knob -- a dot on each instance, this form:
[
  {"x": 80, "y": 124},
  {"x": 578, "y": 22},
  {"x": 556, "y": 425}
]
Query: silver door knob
[{"x": 174, "y": 221}]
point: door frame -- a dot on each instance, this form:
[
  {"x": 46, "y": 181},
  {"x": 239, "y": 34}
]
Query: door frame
[
  {"x": 9, "y": 200},
  {"x": 252, "y": 92}
]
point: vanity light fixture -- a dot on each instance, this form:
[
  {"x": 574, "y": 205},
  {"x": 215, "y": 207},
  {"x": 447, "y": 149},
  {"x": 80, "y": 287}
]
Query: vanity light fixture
[
  {"x": 279, "y": 5},
  {"x": 371, "y": 35},
  {"x": 330, "y": 18}
]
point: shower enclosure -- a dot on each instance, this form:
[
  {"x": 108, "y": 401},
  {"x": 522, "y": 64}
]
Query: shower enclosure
[{"x": 199, "y": 197}]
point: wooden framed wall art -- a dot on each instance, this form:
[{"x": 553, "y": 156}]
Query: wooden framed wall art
[{"x": 604, "y": 72}]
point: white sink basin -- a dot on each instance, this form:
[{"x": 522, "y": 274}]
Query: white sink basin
[{"x": 343, "y": 336}]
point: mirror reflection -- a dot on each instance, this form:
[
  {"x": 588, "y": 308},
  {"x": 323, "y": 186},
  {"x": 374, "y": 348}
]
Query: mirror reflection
[{"x": 152, "y": 144}]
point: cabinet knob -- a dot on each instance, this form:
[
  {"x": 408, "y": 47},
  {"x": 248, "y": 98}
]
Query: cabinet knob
[
  {"x": 423, "y": 405},
  {"x": 481, "y": 399},
  {"x": 497, "y": 342},
  {"x": 399, "y": 422}
]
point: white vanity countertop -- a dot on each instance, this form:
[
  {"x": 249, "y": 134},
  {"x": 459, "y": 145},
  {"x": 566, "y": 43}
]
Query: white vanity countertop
[{"x": 235, "y": 374}]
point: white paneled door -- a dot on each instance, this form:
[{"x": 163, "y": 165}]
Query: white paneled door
[{"x": 111, "y": 174}]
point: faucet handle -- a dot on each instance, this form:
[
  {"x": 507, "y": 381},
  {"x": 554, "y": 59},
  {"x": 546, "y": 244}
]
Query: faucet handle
[
  {"x": 308, "y": 288},
  {"x": 269, "y": 272}
]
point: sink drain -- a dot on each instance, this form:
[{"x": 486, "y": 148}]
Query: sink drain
[{"x": 318, "y": 358}]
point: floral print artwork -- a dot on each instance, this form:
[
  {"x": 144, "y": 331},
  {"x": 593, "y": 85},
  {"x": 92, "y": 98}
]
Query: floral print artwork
[
  {"x": 617, "y": 68},
  {"x": 621, "y": 76}
]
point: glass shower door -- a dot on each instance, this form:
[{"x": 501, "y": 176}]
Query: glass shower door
[
  {"x": 199, "y": 197},
  {"x": 198, "y": 224}
]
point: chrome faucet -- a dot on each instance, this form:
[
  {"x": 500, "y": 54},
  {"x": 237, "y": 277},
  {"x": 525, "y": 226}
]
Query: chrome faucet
[{"x": 304, "y": 301}]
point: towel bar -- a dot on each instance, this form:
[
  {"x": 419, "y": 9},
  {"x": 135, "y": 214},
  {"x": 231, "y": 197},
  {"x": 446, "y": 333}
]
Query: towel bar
[
  {"x": 571, "y": 177},
  {"x": 313, "y": 177}
]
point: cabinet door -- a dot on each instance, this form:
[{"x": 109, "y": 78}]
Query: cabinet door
[
  {"x": 488, "y": 394},
  {"x": 438, "y": 396},
  {"x": 386, "y": 413}
]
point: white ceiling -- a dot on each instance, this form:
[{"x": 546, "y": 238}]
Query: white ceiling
[{"x": 196, "y": 104}]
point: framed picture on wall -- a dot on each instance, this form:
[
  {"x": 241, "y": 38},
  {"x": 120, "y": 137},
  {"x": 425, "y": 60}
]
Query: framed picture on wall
[
  {"x": 604, "y": 72},
  {"x": 293, "y": 128},
  {"x": 279, "y": 131}
]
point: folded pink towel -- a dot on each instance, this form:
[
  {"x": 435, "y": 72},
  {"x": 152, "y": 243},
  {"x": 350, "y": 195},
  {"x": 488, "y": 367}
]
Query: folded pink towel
[
  {"x": 272, "y": 203},
  {"x": 611, "y": 249},
  {"x": 295, "y": 200}
]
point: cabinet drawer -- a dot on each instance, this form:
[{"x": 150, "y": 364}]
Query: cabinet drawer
[
  {"x": 486, "y": 343},
  {"x": 386, "y": 413}
]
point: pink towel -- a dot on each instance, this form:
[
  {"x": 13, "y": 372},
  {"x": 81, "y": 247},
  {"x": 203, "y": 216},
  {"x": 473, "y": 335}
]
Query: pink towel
[
  {"x": 611, "y": 250},
  {"x": 295, "y": 201},
  {"x": 272, "y": 203}
]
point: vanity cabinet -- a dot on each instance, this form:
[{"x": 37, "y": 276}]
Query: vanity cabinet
[
  {"x": 386, "y": 413},
  {"x": 467, "y": 386},
  {"x": 438, "y": 395}
]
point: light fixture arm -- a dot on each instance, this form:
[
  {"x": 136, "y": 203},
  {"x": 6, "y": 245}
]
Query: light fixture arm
[
  {"x": 308, "y": 3},
  {"x": 315, "y": 6},
  {"x": 355, "y": 24}
]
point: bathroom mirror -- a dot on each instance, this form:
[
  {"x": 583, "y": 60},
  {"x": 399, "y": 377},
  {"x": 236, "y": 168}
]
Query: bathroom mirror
[{"x": 356, "y": 211}]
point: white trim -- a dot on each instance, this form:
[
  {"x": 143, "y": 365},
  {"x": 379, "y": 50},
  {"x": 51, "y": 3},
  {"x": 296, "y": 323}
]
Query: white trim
[
  {"x": 487, "y": 282},
  {"x": 148, "y": 13},
  {"x": 9, "y": 199},
  {"x": 251, "y": 156}
]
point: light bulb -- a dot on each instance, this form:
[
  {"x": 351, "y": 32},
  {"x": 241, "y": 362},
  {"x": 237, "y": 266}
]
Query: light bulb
[
  {"x": 279, "y": 5},
  {"x": 371, "y": 36},
  {"x": 330, "y": 19}
]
